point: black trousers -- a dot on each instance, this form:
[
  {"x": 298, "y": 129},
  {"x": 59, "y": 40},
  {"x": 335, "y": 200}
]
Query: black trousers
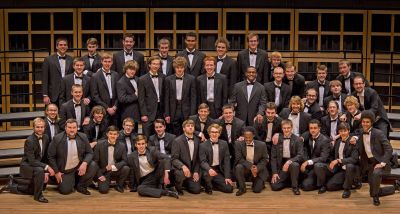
[
  {"x": 32, "y": 181},
  {"x": 337, "y": 179},
  {"x": 148, "y": 127},
  {"x": 71, "y": 179},
  {"x": 289, "y": 178},
  {"x": 177, "y": 120},
  {"x": 309, "y": 182},
  {"x": 217, "y": 182},
  {"x": 214, "y": 112},
  {"x": 182, "y": 181},
  {"x": 120, "y": 176},
  {"x": 375, "y": 179},
  {"x": 242, "y": 173}
]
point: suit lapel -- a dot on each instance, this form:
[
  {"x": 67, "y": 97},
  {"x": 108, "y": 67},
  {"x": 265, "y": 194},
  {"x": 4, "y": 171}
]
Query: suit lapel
[
  {"x": 244, "y": 89},
  {"x": 258, "y": 59},
  {"x": 195, "y": 58},
  {"x": 253, "y": 92}
]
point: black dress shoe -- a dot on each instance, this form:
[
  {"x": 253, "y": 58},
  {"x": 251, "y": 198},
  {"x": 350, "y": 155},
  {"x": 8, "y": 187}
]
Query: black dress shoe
[
  {"x": 358, "y": 185},
  {"x": 180, "y": 192},
  {"x": 8, "y": 186},
  {"x": 83, "y": 191},
  {"x": 208, "y": 191},
  {"x": 296, "y": 190},
  {"x": 119, "y": 188},
  {"x": 133, "y": 189},
  {"x": 376, "y": 201},
  {"x": 346, "y": 194},
  {"x": 42, "y": 199},
  {"x": 397, "y": 185},
  {"x": 240, "y": 192},
  {"x": 322, "y": 190},
  {"x": 173, "y": 194}
]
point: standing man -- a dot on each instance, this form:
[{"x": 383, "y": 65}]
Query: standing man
[
  {"x": 321, "y": 84},
  {"x": 294, "y": 80},
  {"x": 225, "y": 64},
  {"x": 92, "y": 58},
  {"x": 336, "y": 95},
  {"x": 346, "y": 76},
  {"x": 75, "y": 108},
  {"x": 128, "y": 135},
  {"x": 311, "y": 105},
  {"x": 193, "y": 56},
  {"x": 120, "y": 57},
  {"x": 54, "y": 68},
  {"x": 166, "y": 60},
  {"x": 296, "y": 114},
  {"x": 277, "y": 91}
]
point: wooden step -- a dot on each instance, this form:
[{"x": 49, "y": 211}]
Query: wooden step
[
  {"x": 8, "y": 117},
  {"x": 12, "y": 135}
]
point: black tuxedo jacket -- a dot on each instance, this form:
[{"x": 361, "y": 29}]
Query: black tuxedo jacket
[
  {"x": 299, "y": 84},
  {"x": 47, "y": 131},
  {"x": 220, "y": 91},
  {"x": 330, "y": 97},
  {"x": 170, "y": 69},
  {"x": 95, "y": 66},
  {"x": 148, "y": 102},
  {"x": 380, "y": 147},
  {"x": 326, "y": 125},
  {"x": 132, "y": 137},
  {"x": 314, "y": 110},
  {"x": 350, "y": 152},
  {"x": 303, "y": 122},
  {"x": 262, "y": 128},
  {"x": 247, "y": 110},
  {"x": 189, "y": 104},
  {"x": 230, "y": 70},
  {"x": 67, "y": 111},
  {"x": 260, "y": 158},
  {"x": 284, "y": 95},
  {"x": 90, "y": 130},
  {"x": 373, "y": 102},
  {"x": 168, "y": 141},
  {"x": 180, "y": 154},
  {"x": 66, "y": 86},
  {"x": 262, "y": 65},
  {"x": 34, "y": 156},
  {"x": 99, "y": 89},
  {"x": 127, "y": 99},
  {"x": 236, "y": 132},
  {"x": 101, "y": 156},
  {"x": 315, "y": 85},
  {"x": 352, "y": 75},
  {"x": 197, "y": 125},
  {"x": 58, "y": 151},
  {"x": 206, "y": 157},
  {"x": 51, "y": 76},
  {"x": 320, "y": 152},
  {"x": 354, "y": 124},
  {"x": 296, "y": 153},
  {"x": 119, "y": 62},
  {"x": 196, "y": 69}
]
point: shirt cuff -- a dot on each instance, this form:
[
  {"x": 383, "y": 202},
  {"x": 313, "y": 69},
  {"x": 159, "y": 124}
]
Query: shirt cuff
[
  {"x": 383, "y": 164},
  {"x": 46, "y": 167},
  {"x": 114, "y": 168},
  {"x": 289, "y": 162},
  {"x": 310, "y": 162}
]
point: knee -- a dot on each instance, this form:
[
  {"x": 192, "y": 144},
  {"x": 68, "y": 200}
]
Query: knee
[
  {"x": 319, "y": 166},
  {"x": 38, "y": 171},
  {"x": 307, "y": 186},
  {"x": 125, "y": 170},
  {"x": 239, "y": 167},
  {"x": 377, "y": 173},
  {"x": 294, "y": 165},
  {"x": 275, "y": 187},
  {"x": 103, "y": 190},
  {"x": 257, "y": 189},
  {"x": 350, "y": 167},
  {"x": 195, "y": 189},
  {"x": 65, "y": 190},
  {"x": 228, "y": 189}
]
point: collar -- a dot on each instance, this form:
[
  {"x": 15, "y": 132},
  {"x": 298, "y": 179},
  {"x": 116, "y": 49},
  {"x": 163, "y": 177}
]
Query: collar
[
  {"x": 317, "y": 136},
  {"x": 277, "y": 84},
  {"x": 194, "y": 49},
  {"x": 361, "y": 94},
  {"x": 162, "y": 136},
  {"x": 73, "y": 100},
  {"x": 59, "y": 55},
  {"x": 223, "y": 57},
  {"x": 337, "y": 116}
]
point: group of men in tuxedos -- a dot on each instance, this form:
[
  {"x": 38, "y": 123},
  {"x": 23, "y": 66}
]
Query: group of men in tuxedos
[{"x": 205, "y": 121}]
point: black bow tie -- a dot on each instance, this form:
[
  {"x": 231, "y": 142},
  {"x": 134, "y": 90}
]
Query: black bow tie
[
  {"x": 127, "y": 135},
  {"x": 214, "y": 143},
  {"x": 179, "y": 78},
  {"x": 71, "y": 138},
  {"x": 160, "y": 138},
  {"x": 277, "y": 86},
  {"x": 201, "y": 122},
  {"x": 51, "y": 122},
  {"x": 131, "y": 78},
  {"x": 77, "y": 104},
  {"x": 250, "y": 83},
  {"x": 39, "y": 138},
  {"x": 336, "y": 98},
  {"x": 346, "y": 78},
  {"x": 79, "y": 77},
  {"x": 228, "y": 123},
  {"x": 91, "y": 57},
  {"x": 62, "y": 57},
  {"x": 211, "y": 78},
  {"x": 108, "y": 73},
  {"x": 113, "y": 145},
  {"x": 190, "y": 53},
  {"x": 164, "y": 58},
  {"x": 189, "y": 138},
  {"x": 334, "y": 120},
  {"x": 320, "y": 84},
  {"x": 286, "y": 138},
  {"x": 295, "y": 114},
  {"x": 220, "y": 60},
  {"x": 253, "y": 53},
  {"x": 142, "y": 154},
  {"x": 367, "y": 133},
  {"x": 154, "y": 76},
  {"x": 128, "y": 54},
  {"x": 250, "y": 145}
]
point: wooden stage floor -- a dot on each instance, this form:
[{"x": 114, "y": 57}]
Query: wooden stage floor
[{"x": 264, "y": 202}]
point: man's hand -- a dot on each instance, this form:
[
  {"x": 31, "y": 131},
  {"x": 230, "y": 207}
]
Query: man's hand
[
  {"x": 168, "y": 119},
  {"x": 108, "y": 167},
  {"x": 285, "y": 167},
  {"x": 343, "y": 118},
  {"x": 196, "y": 177},
  {"x": 303, "y": 166},
  {"x": 82, "y": 169},
  {"x": 259, "y": 118},
  {"x": 275, "y": 178},
  {"x": 254, "y": 170},
  {"x": 111, "y": 111},
  {"x": 378, "y": 166},
  {"x": 166, "y": 178},
  {"x": 353, "y": 140},
  {"x": 86, "y": 121},
  {"x": 228, "y": 181},
  {"x": 46, "y": 178},
  {"x": 50, "y": 170},
  {"x": 102, "y": 178},
  {"x": 144, "y": 118},
  {"x": 59, "y": 177},
  {"x": 275, "y": 139},
  {"x": 186, "y": 171},
  {"x": 86, "y": 101},
  {"x": 212, "y": 172},
  {"x": 333, "y": 164},
  {"x": 46, "y": 100},
  {"x": 93, "y": 144}
]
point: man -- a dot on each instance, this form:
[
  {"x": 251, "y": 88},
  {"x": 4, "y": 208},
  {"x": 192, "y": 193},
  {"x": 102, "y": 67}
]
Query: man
[
  {"x": 161, "y": 140},
  {"x": 202, "y": 121},
  {"x": 166, "y": 60},
  {"x": 128, "y": 92},
  {"x": 75, "y": 108},
  {"x": 180, "y": 96},
  {"x": 128, "y": 135},
  {"x": 321, "y": 84},
  {"x": 375, "y": 153},
  {"x": 151, "y": 95},
  {"x": 336, "y": 95},
  {"x": 92, "y": 58},
  {"x": 274, "y": 62},
  {"x": 34, "y": 168},
  {"x": 225, "y": 64},
  {"x": 330, "y": 122},
  {"x": 103, "y": 88},
  {"x": 215, "y": 161},
  {"x": 311, "y": 105},
  {"x": 212, "y": 88},
  {"x": 346, "y": 76},
  {"x": 343, "y": 167},
  {"x": 150, "y": 167},
  {"x": 54, "y": 68},
  {"x": 77, "y": 78},
  {"x": 110, "y": 157},
  {"x": 277, "y": 91},
  {"x": 296, "y": 114},
  {"x": 121, "y": 57},
  {"x": 294, "y": 80},
  {"x": 316, "y": 152},
  {"x": 286, "y": 157},
  {"x": 249, "y": 97},
  {"x": 370, "y": 100},
  {"x": 52, "y": 127},
  {"x": 231, "y": 129},
  {"x": 251, "y": 157},
  {"x": 253, "y": 57},
  {"x": 70, "y": 156},
  {"x": 193, "y": 56},
  {"x": 96, "y": 129},
  {"x": 185, "y": 160},
  {"x": 353, "y": 113}
]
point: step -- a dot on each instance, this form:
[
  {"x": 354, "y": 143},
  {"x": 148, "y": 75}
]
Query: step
[
  {"x": 8, "y": 117},
  {"x": 11, "y": 153},
  {"x": 394, "y": 136},
  {"x": 12, "y": 135},
  {"x": 6, "y": 171}
]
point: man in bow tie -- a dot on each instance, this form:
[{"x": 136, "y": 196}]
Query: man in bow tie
[
  {"x": 225, "y": 64},
  {"x": 277, "y": 91},
  {"x": 75, "y": 108},
  {"x": 127, "y": 54},
  {"x": 336, "y": 95},
  {"x": 92, "y": 58},
  {"x": 346, "y": 76},
  {"x": 193, "y": 56},
  {"x": 321, "y": 84},
  {"x": 166, "y": 59}
]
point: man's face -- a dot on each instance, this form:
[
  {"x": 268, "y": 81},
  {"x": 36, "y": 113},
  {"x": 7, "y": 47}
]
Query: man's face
[
  {"x": 366, "y": 124},
  {"x": 351, "y": 108},
  {"x": 62, "y": 47},
  {"x": 332, "y": 109},
  {"x": 344, "y": 133},
  {"x": 160, "y": 128},
  {"x": 296, "y": 106},
  {"x": 253, "y": 43},
  {"x": 289, "y": 72},
  {"x": 228, "y": 114},
  {"x": 130, "y": 72},
  {"x": 52, "y": 112},
  {"x": 248, "y": 136},
  {"x": 128, "y": 127},
  {"x": 71, "y": 129},
  {"x": 311, "y": 96},
  {"x": 278, "y": 74},
  {"x": 251, "y": 74},
  {"x": 79, "y": 66},
  {"x": 92, "y": 48},
  {"x": 286, "y": 129},
  {"x": 270, "y": 113},
  {"x": 141, "y": 146},
  {"x": 214, "y": 134},
  {"x": 98, "y": 117},
  {"x": 154, "y": 66},
  {"x": 321, "y": 75},
  {"x": 210, "y": 67},
  {"x": 314, "y": 129},
  {"x": 336, "y": 89},
  {"x": 190, "y": 42},
  {"x": 39, "y": 128},
  {"x": 275, "y": 61},
  {"x": 107, "y": 62},
  {"x": 112, "y": 136},
  {"x": 179, "y": 71},
  {"x": 221, "y": 49},
  {"x": 188, "y": 129},
  {"x": 203, "y": 113},
  {"x": 358, "y": 85},
  {"x": 344, "y": 69},
  {"x": 77, "y": 94},
  {"x": 128, "y": 43},
  {"x": 163, "y": 48}
]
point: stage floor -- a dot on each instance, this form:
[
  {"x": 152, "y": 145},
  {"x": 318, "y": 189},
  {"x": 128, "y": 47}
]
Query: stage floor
[{"x": 264, "y": 202}]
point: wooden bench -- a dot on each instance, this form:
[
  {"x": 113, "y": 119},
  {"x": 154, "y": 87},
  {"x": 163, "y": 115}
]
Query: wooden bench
[
  {"x": 9, "y": 117},
  {"x": 12, "y": 135},
  {"x": 6, "y": 171}
]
